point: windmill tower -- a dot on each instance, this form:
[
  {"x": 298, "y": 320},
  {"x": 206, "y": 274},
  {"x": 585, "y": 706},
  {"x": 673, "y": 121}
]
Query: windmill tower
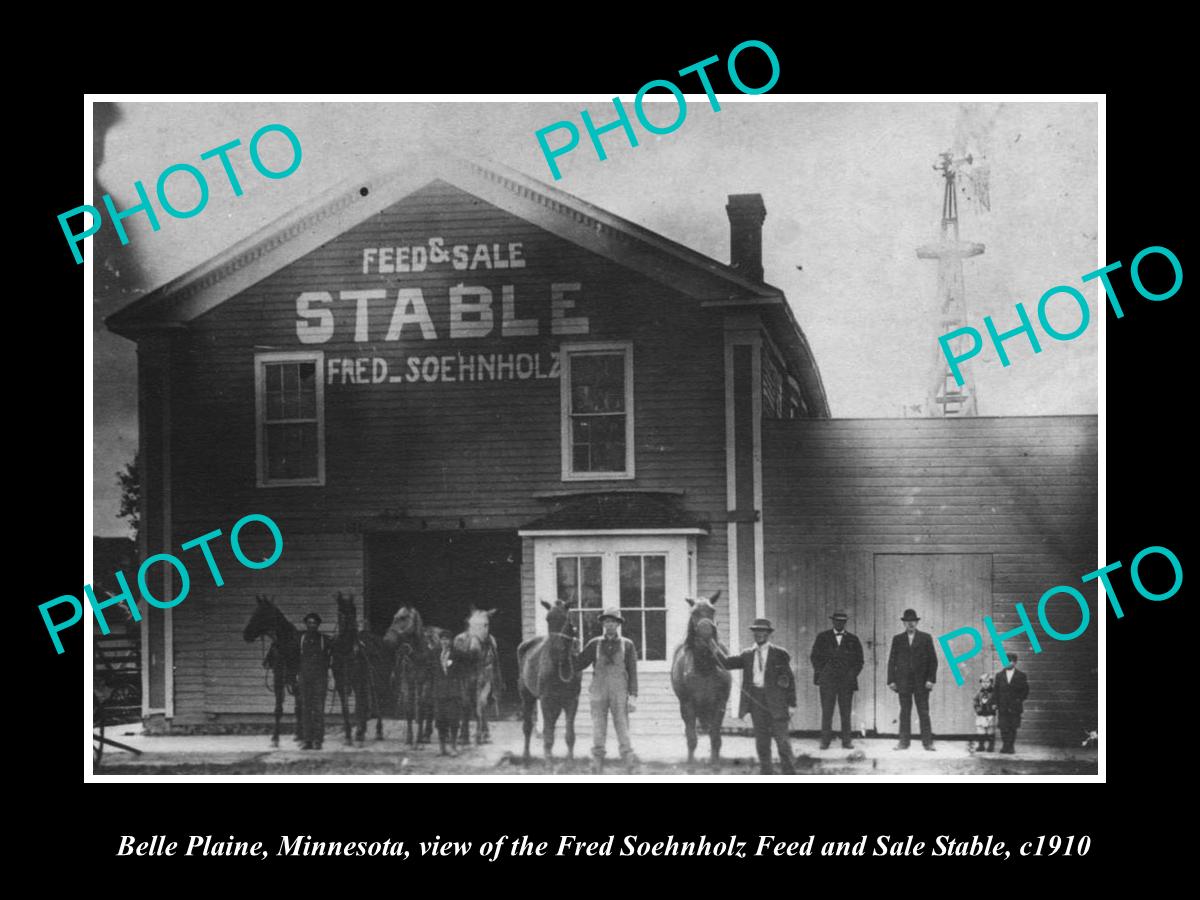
[{"x": 945, "y": 398}]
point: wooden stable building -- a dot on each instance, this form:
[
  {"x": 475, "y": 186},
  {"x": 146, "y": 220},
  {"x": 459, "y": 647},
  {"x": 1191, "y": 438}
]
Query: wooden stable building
[{"x": 453, "y": 385}]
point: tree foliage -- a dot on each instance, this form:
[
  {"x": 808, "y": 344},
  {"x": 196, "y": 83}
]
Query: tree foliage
[{"x": 131, "y": 493}]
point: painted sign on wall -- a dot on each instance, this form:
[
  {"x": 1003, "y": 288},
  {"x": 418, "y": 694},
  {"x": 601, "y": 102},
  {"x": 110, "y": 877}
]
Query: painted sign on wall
[{"x": 475, "y": 311}]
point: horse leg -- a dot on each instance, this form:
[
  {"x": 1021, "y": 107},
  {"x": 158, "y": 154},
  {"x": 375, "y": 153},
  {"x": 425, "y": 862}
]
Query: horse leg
[
  {"x": 278, "y": 715},
  {"x": 408, "y": 701},
  {"x": 480, "y": 714},
  {"x": 427, "y": 710},
  {"x": 362, "y": 701},
  {"x": 688, "y": 713},
  {"x": 714, "y": 736},
  {"x": 343, "y": 693},
  {"x": 528, "y": 708},
  {"x": 569, "y": 709},
  {"x": 464, "y": 731},
  {"x": 550, "y": 710}
]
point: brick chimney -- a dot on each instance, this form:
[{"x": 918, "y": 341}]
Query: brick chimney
[{"x": 746, "y": 215}]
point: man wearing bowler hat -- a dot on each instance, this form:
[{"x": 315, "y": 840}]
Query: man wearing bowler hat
[
  {"x": 911, "y": 673},
  {"x": 312, "y": 682},
  {"x": 614, "y": 686},
  {"x": 837, "y": 658},
  {"x": 768, "y": 694}
]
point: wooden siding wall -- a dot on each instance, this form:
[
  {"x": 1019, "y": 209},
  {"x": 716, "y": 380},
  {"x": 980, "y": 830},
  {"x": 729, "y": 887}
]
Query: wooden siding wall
[
  {"x": 1024, "y": 490},
  {"x": 476, "y": 450}
]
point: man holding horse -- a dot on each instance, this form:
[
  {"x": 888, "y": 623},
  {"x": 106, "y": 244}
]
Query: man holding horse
[
  {"x": 614, "y": 684},
  {"x": 768, "y": 694},
  {"x": 313, "y": 682}
]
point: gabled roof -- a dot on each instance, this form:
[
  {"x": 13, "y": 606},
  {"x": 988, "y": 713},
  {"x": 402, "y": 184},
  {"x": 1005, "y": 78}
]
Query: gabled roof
[{"x": 304, "y": 229}]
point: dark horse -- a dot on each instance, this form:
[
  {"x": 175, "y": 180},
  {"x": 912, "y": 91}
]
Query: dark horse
[
  {"x": 413, "y": 673},
  {"x": 700, "y": 682},
  {"x": 283, "y": 657},
  {"x": 547, "y": 673},
  {"x": 481, "y": 676},
  {"x": 362, "y": 665}
]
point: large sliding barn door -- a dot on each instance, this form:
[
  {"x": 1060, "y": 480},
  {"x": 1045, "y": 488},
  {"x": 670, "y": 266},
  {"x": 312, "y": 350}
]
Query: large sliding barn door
[
  {"x": 804, "y": 589},
  {"x": 948, "y": 591}
]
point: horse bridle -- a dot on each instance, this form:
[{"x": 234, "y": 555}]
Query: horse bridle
[{"x": 572, "y": 639}]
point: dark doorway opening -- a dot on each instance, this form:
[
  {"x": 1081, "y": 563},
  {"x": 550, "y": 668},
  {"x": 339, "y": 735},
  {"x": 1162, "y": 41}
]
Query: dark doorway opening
[{"x": 444, "y": 574}]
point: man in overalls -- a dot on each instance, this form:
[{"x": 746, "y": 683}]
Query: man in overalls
[
  {"x": 312, "y": 682},
  {"x": 614, "y": 684}
]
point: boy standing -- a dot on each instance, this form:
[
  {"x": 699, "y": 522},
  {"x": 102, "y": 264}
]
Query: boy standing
[
  {"x": 985, "y": 715},
  {"x": 447, "y": 692},
  {"x": 1012, "y": 687}
]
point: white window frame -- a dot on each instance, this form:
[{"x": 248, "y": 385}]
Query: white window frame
[
  {"x": 678, "y": 548},
  {"x": 565, "y": 353},
  {"x": 261, "y": 361}
]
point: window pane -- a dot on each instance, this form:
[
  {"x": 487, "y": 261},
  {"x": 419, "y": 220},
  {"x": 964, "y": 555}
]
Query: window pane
[
  {"x": 291, "y": 451},
  {"x": 599, "y": 443},
  {"x": 589, "y": 625},
  {"x": 308, "y": 391},
  {"x": 598, "y": 383},
  {"x": 568, "y": 580},
  {"x": 631, "y": 581},
  {"x": 274, "y": 405},
  {"x": 632, "y": 628},
  {"x": 592, "y": 590},
  {"x": 656, "y": 581},
  {"x": 656, "y": 634},
  {"x": 581, "y": 452}
]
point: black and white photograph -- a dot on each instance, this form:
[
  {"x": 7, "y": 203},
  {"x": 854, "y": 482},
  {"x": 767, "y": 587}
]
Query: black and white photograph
[{"x": 523, "y": 439}]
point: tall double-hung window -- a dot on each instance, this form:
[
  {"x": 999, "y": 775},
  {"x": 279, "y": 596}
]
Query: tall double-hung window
[
  {"x": 290, "y": 418},
  {"x": 597, "y": 416}
]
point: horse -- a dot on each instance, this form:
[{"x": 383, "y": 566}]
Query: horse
[
  {"x": 362, "y": 664},
  {"x": 481, "y": 675},
  {"x": 282, "y": 658},
  {"x": 547, "y": 673},
  {"x": 699, "y": 680},
  {"x": 412, "y": 676}
]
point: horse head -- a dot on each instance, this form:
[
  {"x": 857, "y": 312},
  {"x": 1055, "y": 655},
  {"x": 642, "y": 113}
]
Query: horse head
[
  {"x": 406, "y": 628},
  {"x": 479, "y": 623},
  {"x": 264, "y": 620},
  {"x": 560, "y": 633},
  {"x": 347, "y": 614},
  {"x": 702, "y": 610}
]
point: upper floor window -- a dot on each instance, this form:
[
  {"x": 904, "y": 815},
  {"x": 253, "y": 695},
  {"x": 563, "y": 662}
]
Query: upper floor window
[
  {"x": 597, "y": 400},
  {"x": 290, "y": 419}
]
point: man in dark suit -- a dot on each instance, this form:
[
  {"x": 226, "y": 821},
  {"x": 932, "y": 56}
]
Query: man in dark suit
[
  {"x": 911, "y": 673},
  {"x": 312, "y": 682},
  {"x": 837, "y": 658},
  {"x": 1010, "y": 688},
  {"x": 768, "y": 694}
]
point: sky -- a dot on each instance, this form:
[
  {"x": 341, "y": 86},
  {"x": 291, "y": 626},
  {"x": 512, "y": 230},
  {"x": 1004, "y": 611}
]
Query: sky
[{"x": 850, "y": 192}]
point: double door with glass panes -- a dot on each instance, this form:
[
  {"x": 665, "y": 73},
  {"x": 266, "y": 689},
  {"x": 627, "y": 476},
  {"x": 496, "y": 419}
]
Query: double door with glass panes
[{"x": 646, "y": 578}]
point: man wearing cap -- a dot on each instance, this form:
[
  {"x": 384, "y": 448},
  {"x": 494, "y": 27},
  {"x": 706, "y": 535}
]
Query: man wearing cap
[
  {"x": 312, "y": 683},
  {"x": 837, "y": 658},
  {"x": 614, "y": 684},
  {"x": 1010, "y": 688},
  {"x": 911, "y": 673},
  {"x": 768, "y": 694}
]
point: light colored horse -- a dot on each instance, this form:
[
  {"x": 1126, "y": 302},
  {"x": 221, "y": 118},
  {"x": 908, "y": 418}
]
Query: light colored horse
[{"x": 481, "y": 678}]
